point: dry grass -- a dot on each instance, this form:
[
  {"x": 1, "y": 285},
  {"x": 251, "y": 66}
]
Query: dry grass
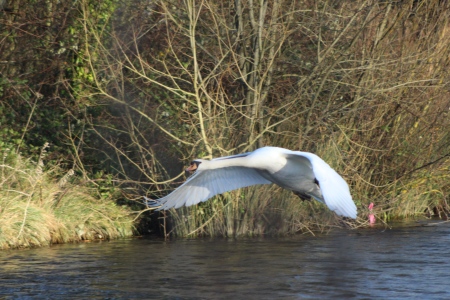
[
  {"x": 255, "y": 211},
  {"x": 37, "y": 210}
]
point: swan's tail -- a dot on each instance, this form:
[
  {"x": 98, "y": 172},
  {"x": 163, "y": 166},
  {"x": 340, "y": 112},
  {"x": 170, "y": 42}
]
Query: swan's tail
[{"x": 151, "y": 203}]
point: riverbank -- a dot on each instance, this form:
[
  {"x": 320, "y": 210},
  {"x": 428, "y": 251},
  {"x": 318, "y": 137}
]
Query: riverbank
[
  {"x": 43, "y": 205},
  {"x": 39, "y": 207}
]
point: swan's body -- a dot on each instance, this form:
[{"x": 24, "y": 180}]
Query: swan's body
[{"x": 304, "y": 173}]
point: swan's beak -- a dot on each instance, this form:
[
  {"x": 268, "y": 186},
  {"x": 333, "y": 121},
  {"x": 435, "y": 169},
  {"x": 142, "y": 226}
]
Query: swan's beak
[{"x": 191, "y": 169}]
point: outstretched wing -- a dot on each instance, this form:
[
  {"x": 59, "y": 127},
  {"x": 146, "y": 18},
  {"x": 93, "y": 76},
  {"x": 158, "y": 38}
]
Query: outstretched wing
[
  {"x": 335, "y": 190},
  {"x": 204, "y": 184}
]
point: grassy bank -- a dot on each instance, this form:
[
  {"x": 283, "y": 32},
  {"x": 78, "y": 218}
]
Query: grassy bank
[{"x": 38, "y": 209}]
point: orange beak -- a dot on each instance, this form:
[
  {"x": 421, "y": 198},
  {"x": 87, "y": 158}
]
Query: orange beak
[{"x": 191, "y": 169}]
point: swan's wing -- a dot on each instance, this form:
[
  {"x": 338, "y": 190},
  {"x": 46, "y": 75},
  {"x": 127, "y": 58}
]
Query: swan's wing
[
  {"x": 335, "y": 190},
  {"x": 204, "y": 184}
]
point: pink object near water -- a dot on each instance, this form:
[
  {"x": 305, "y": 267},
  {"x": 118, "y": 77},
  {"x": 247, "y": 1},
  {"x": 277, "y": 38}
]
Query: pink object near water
[{"x": 371, "y": 216}]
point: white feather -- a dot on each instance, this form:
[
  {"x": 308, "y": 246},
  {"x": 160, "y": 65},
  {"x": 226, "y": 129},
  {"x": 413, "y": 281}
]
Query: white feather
[
  {"x": 293, "y": 170},
  {"x": 335, "y": 190},
  {"x": 204, "y": 184}
]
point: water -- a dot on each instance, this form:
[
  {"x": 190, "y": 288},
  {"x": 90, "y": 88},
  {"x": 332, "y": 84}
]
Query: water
[{"x": 402, "y": 263}]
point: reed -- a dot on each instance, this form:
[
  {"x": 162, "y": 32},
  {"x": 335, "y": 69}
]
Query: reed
[
  {"x": 38, "y": 210},
  {"x": 253, "y": 211}
]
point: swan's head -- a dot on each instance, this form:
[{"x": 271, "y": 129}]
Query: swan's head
[{"x": 193, "y": 166}]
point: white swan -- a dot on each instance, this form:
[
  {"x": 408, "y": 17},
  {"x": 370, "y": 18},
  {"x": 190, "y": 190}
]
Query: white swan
[{"x": 306, "y": 174}]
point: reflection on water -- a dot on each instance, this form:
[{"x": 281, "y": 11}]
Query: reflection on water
[{"x": 403, "y": 263}]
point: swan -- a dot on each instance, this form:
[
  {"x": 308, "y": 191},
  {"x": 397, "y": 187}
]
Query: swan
[{"x": 304, "y": 173}]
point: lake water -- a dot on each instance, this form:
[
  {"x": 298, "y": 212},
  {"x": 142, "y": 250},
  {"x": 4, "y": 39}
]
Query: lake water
[{"x": 401, "y": 263}]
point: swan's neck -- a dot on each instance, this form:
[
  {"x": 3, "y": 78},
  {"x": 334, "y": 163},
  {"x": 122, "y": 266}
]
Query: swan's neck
[{"x": 227, "y": 163}]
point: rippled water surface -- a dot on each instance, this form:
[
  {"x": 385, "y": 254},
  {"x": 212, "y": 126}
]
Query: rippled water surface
[{"x": 403, "y": 263}]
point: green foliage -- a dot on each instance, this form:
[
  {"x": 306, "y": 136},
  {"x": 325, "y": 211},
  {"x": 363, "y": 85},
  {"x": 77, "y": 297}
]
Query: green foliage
[{"x": 79, "y": 71}]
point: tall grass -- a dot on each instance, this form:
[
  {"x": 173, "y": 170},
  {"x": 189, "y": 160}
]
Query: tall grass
[
  {"x": 37, "y": 210},
  {"x": 254, "y": 211}
]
